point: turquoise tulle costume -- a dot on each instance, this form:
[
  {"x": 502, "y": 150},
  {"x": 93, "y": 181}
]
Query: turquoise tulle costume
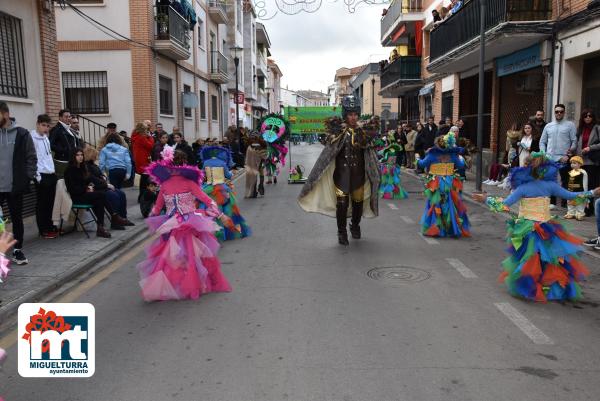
[
  {"x": 544, "y": 264},
  {"x": 445, "y": 213},
  {"x": 216, "y": 162},
  {"x": 390, "y": 186}
]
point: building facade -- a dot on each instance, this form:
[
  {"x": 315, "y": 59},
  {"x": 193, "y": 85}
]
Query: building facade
[
  {"x": 366, "y": 85},
  {"x": 274, "y": 88},
  {"x": 535, "y": 55},
  {"x": 29, "y": 77}
]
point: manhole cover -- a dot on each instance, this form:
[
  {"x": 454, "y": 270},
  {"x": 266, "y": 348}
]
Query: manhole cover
[{"x": 398, "y": 275}]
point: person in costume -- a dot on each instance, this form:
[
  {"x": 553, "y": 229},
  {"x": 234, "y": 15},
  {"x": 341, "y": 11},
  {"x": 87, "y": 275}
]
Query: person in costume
[
  {"x": 274, "y": 129},
  {"x": 346, "y": 171},
  {"x": 390, "y": 187},
  {"x": 217, "y": 161},
  {"x": 256, "y": 154},
  {"x": 578, "y": 181},
  {"x": 445, "y": 213},
  {"x": 544, "y": 264},
  {"x": 182, "y": 262}
]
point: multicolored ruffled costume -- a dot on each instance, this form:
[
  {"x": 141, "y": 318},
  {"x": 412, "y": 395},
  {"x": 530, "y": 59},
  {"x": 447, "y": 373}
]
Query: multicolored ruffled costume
[
  {"x": 390, "y": 187},
  {"x": 543, "y": 263},
  {"x": 274, "y": 129},
  {"x": 182, "y": 262},
  {"x": 217, "y": 161},
  {"x": 445, "y": 213}
]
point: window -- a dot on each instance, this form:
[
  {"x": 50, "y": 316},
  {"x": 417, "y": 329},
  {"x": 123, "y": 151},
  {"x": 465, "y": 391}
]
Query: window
[
  {"x": 187, "y": 111},
  {"x": 239, "y": 15},
  {"x": 201, "y": 30},
  {"x": 86, "y": 92},
  {"x": 202, "y": 105},
  {"x": 447, "y": 103},
  {"x": 12, "y": 64},
  {"x": 215, "y": 108},
  {"x": 165, "y": 94}
]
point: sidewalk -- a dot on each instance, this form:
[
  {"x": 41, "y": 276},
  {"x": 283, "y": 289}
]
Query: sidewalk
[
  {"x": 584, "y": 229},
  {"x": 53, "y": 262}
]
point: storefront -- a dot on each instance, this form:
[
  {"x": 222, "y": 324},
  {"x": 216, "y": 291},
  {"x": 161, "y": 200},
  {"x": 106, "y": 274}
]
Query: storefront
[
  {"x": 469, "y": 93},
  {"x": 521, "y": 82}
]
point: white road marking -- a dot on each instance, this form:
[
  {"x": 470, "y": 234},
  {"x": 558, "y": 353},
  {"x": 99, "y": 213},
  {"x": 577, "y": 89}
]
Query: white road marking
[
  {"x": 461, "y": 268},
  {"x": 407, "y": 220},
  {"x": 429, "y": 240},
  {"x": 392, "y": 206},
  {"x": 535, "y": 334}
]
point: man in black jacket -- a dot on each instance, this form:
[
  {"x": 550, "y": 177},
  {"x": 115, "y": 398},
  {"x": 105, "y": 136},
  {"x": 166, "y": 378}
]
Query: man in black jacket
[
  {"x": 63, "y": 141},
  {"x": 18, "y": 163}
]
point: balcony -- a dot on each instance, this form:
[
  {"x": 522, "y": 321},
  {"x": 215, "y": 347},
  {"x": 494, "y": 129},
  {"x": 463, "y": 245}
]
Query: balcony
[
  {"x": 261, "y": 65},
  {"x": 172, "y": 36},
  {"x": 218, "y": 68},
  {"x": 217, "y": 9},
  {"x": 261, "y": 100},
  {"x": 401, "y": 76},
  {"x": 399, "y": 19},
  {"x": 510, "y": 25}
]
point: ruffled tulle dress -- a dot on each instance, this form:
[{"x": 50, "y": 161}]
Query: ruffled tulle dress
[
  {"x": 224, "y": 195},
  {"x": 445, "y": 213},
  {"x": 390, "y": 186},
  {"x": 182, "y": 262},
  {"x": 543, "y": 262}
]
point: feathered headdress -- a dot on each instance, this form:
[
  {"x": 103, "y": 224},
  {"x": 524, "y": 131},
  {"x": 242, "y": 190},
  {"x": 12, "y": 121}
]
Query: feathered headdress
[
  {"x": 546, "y": 170},
  {"x": 219, "y": 152},
  {"x": 160, "y": 171}
]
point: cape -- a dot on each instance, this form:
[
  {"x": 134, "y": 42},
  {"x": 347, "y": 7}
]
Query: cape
[{"x": 318, "y": 193}]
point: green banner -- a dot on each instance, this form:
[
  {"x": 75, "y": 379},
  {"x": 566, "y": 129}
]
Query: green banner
[{"x": 310, "y": 119}]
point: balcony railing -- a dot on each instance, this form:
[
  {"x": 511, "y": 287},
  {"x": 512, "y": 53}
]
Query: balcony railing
[
  {"x": 170, "y": 25},
  {"x": 218, "y": 4},
  {"x": 218, "y": 63},
  {"x": 405, "y": 68},
  {"x": 395, "y": 9},
  {"x": 463, "y": 26}
]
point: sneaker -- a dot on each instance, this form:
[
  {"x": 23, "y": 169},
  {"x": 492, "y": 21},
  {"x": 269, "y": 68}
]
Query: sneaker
[
  {"x": 552, "y": 207},
  {"x": 19, "y": 257},
  {"x": 569, "y": 216},
  {"x": 595, "y": 242},
  {"x": 49, "y": 235}
]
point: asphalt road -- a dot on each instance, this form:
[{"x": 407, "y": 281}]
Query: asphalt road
[{"x": 391, "y": 317}]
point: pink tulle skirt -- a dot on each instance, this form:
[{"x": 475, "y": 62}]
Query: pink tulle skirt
[{"x": 182, "y": 262}]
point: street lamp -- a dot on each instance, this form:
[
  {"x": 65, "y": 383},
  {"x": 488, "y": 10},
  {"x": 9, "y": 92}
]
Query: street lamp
[
  {"x": 236, "y": 62},
  {"x": 373, "y": 97}
]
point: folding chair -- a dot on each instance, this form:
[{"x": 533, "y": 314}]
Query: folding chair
[{"x": 75, "y": 208}]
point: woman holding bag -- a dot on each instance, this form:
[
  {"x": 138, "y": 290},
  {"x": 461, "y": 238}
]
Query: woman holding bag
[{"x": 588, "y": 146}]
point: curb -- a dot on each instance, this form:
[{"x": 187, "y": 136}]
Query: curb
[
  {"x": 97, "y": 261},
  {"x": 469, "y": 199}
]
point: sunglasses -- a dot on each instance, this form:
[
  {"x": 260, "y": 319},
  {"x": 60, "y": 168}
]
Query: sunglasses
[
  {"x": 588, "y": 116},
  {"x": 559, "y": 112}
]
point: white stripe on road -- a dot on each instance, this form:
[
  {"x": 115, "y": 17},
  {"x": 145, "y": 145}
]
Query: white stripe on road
[
  {"x": 535, "y": 334},
  {"x": 392, "y": 206},
  {"x": 461, "y": 268},
  {"x": 407, "y": 220},
  {"x": 429, "y": 240}
]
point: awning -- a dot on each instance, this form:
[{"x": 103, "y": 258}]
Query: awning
[{"x": 427, "y": 89}]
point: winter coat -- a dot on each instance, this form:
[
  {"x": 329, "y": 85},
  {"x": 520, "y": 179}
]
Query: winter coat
[
  {"x": 411, "y": 136},
  {"x": 24, "y": 158},
  {"x": 157, "y": 150},
  {"x": 593, "y": 144},
  {"x": 114, "y": 156},
  {"x": 141, "y": 145},
  {"x": 63, "y": 143},
  {"x": 77, "y": 180},
  {"x": 187, "y": 149}
]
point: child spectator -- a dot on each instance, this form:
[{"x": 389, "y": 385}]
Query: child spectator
[
  {"x": 148, "y": 198},
  {"x": 578, "y": 181}
]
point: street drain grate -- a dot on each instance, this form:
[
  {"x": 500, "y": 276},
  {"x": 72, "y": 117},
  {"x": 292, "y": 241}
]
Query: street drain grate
[{"x": 398, "y": 275}]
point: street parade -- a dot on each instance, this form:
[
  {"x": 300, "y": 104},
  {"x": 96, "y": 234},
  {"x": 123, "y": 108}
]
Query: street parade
[{"x": 192, "y": 209}]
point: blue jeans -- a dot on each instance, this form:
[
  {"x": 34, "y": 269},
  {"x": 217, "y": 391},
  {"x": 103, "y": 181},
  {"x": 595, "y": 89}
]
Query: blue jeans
[
  {"x": 597, "y": 211},
  {"x": 117, "y": 201},
  {"x": 117, "y": 176}
]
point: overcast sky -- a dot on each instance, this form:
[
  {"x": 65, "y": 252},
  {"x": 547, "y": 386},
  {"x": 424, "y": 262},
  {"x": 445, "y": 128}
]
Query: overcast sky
[{"x": 309, "y": 48}]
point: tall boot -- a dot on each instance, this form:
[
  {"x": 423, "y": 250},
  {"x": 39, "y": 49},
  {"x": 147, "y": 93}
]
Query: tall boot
[
  {"x": 357, "y": 210},
  {"x": 261, "y": 185},
  {"x": 341, "y": 214}
]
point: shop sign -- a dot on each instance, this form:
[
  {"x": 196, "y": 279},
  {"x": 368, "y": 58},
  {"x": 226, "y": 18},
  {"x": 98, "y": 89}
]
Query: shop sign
[{"x": 518, "y": 61}]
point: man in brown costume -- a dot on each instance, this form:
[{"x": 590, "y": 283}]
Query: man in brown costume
[{"x": 346, "y": 170}]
